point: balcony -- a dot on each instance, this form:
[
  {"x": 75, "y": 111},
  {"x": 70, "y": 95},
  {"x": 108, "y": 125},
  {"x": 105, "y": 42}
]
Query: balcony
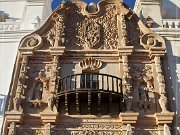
[
  {"x": 171, "y": 23},
  {"x": 89, "y": 93},
  {"x": 10, "y": 26}
]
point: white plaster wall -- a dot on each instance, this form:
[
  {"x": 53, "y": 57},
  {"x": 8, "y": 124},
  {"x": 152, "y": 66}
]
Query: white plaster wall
[
  {"x": 15, "y": 10},
  {"x": 170, "y": 9}
]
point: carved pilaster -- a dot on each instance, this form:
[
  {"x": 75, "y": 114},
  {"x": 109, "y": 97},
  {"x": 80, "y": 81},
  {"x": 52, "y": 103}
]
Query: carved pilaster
[
  {"x": 21, "y": 85},
  {"x": 53, "y": 81},
  {"x": 127, "y": 85},
  {"x": 59, "y": 30},
  {"x": 123, "y": 30},
  {"x": 161, "y": 82},
  {"x": 47, "y": 129}
]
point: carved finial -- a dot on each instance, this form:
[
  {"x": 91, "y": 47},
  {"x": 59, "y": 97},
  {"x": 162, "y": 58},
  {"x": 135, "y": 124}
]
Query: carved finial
[
  {"x": 149, "y": 22},
  {"x": 92, "y": 8}
]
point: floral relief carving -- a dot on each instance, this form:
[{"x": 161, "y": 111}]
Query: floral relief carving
[
  {"x": 90, "y": 64},
  {"x": 93, "y": 32},
  {"x": 95, "y": 132}
]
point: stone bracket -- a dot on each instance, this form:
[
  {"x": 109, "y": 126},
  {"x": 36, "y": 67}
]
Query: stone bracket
[
  {"x": 129, "y": 117},
  {"x": 164, "y": 118},
  {"x": 49, "y": 117}
]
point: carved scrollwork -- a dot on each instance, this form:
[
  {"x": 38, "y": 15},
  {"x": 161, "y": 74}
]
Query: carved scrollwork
[
  {"x": 152, "y": 40},
  {"x": 31, "y": 41},
  {"x": 90, "y": 64}
]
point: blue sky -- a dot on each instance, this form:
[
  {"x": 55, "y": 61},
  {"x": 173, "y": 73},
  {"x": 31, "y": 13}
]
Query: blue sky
[{"x": 55, "y": 3}]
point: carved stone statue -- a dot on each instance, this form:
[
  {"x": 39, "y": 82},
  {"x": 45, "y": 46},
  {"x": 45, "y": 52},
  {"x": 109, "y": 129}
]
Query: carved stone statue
[
  {"x": 17, "y": 102},
  {"x": 38, "y": 91},
  {"x": 143, "y": 93},
  {"x": 12, "y": 129},
  {"x": 40, "y": 84},
  {"x": 167, "y": 130},
  {"x": 163, "y": 103},
  {"x": 51, "y": 101}
]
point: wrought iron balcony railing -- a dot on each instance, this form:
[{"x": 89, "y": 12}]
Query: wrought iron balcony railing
[{"x": 88, "y": 90}]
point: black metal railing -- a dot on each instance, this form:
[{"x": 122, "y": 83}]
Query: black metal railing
[{"x": 90, "y": 81}]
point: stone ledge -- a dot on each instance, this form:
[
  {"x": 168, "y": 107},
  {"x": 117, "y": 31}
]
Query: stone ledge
[
  {"x": 164, "y": 118},
  {"x": 57, "y": 50}
]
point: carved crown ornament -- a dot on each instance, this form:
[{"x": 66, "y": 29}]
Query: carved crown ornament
[
  {"x": 90, "y": 64},
  {"x": 30, "y": 43}
]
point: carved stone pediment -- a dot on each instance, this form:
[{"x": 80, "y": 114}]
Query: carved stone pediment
[{"x": 90, "y": 64}]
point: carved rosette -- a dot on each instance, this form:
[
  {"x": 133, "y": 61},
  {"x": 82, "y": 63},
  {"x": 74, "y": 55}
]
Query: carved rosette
[
  {"x": 161, "y": 82},
  {"x": 90, "y": 64},
  {"x": 123, "y": 30},
  {"x": 21, "y": 85}
]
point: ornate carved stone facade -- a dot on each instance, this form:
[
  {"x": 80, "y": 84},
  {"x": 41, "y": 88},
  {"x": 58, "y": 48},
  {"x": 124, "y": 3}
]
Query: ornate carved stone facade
[{"x": 84, "y": 73}]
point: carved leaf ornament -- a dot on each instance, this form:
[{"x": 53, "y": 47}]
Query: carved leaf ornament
[
  {"x": 92, "y": 34},
  {"x": 90, "y": 64}
]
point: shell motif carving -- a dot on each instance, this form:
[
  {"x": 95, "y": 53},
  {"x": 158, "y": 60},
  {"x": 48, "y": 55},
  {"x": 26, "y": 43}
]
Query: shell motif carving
[{"x": 90, "y": 64}]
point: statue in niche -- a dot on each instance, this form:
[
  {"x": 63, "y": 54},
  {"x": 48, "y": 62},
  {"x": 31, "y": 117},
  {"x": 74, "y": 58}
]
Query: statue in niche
[
  {"x": 17, "y": 101},
  {"x": 40, "y": 85},
  {"x": 143, "y": 93}
]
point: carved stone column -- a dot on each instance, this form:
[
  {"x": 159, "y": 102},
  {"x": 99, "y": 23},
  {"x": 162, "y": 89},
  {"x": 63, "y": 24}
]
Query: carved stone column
[
  {"x": 161, "y": 82},
  {"x": 127, "y": 85}
]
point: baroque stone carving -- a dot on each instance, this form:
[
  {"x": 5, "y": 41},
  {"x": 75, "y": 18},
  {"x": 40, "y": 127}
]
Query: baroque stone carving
[
  {"x": 123, "y": 30},
  {"x": 151, "y": 40},
  {"x": 90, "y": 64},
  {"x": 21, "y": 86},
  {"x": 33, "y": 41},
  {"x": 129, "y": 130},
  {"x": 167, "y": 130},
  {"x": 95, "y": 132},
  {"x": 92, "y": 34},
  {"x": 51, "y": 101},
  {"x": 12, "y": 129},
  {"x": 160, "y": 77}
]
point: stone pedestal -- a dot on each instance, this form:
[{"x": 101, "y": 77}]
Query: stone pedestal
[
  {"x": 49, "y": 117},
  {"x": 129, "y": 117},
  {"x": 14, "y": 116},
  {"x": 164, "y": 118}
]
